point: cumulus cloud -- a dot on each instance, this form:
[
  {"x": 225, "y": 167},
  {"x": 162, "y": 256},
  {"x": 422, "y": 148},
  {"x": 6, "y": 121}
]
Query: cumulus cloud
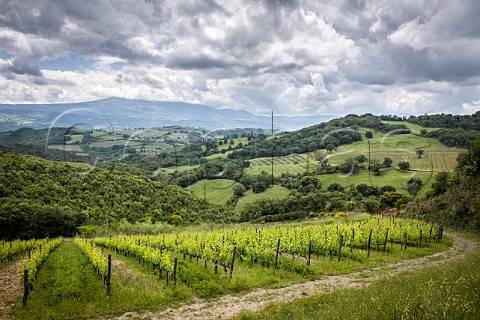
[{"x": 292, "y": 56}]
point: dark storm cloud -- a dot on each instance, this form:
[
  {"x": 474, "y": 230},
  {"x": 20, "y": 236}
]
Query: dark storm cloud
[
  {"x": 20, "y": 67},
  {"x": 282, "y": 3},
  {"x": 194, "y": 62},
  {"x": 35, "y": 17},
  {"x": 411, "y": 44}
]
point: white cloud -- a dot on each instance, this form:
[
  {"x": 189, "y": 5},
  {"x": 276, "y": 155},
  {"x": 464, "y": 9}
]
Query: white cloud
[
  {"x": 295, "y": 57},
  {"x": 471, "y": 107}
]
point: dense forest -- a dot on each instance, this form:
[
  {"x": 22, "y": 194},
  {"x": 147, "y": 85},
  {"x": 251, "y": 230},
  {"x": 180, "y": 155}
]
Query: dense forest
[
  {"x": 456, "y": 130},
  {"x": 42, "y": 198},
  {"x": 448, "y": 121}
]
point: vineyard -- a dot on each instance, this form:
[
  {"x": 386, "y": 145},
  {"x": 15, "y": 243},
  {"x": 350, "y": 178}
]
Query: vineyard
[
  {"x": 293, "y": 164},
  {"x": 431, "y": 161},
  {"x": 275, "y": 247},
  {"x": 182, "y": 265},
  {"x": 298, "y": 163}
]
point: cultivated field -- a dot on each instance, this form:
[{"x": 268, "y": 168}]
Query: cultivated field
[{"x": 223, "y": 270}]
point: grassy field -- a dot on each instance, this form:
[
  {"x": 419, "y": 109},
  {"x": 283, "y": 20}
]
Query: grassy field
[
  {"x": 217, "y": 191},
  {"x": 394, "y": 178},
  {"x": 236, "y": 141},
  {"x": 414, "y": 127},
  {"x": 277, "y": 192}
]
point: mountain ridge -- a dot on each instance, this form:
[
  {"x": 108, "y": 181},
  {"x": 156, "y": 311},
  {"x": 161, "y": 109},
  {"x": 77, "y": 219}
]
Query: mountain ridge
[{"x": 133, "y": 113}]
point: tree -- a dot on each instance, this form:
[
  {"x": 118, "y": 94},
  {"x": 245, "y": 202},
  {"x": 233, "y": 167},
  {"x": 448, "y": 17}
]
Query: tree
[
  {"x": 468, "y": 163},
  {"x": 239, "y": 190},
  {"x": 369, "y": 134},
  {"x": 404, "y": 165},
  {"x": 441, "y": 183},
  {"x": 413, "y": 186},
  {"x": 330, "y": 147},
  {"x": 420, "y": 153},
  {"x": 361, "y": 159},
  {"x": 393, "y": 200},
  {"x": 371, "y": 205},
  {"x": 336, "y": 187},
  {"x": 376, "y": 167},
  {"x": 387, "y": 162},
  {"x": 349, "y": 166}
]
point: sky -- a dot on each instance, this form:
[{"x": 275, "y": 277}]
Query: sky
[{"x": 295, "y": 57}]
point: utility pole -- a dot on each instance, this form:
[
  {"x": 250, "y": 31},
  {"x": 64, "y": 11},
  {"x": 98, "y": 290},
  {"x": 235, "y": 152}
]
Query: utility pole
[
  {"x": 273, "y": 148},
  {"x": 369, "y": 179}
]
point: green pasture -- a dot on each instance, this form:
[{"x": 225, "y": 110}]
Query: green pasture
[
  {"x": 277, "y": 192},
  {"x": 217, "y": 191},
  {"x": 394, "y": 178},
  {"x": 414, "y": 127},
  {"x": 236, "y": 141}
]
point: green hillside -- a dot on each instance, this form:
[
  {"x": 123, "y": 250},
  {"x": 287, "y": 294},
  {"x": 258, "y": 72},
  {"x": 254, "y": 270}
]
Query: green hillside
[
  {"x": 41, "y": 197},
  {"x": 217, "y": 191},
  {"x": 437, "y": 157},
  {"x": 275, "y": 193}
]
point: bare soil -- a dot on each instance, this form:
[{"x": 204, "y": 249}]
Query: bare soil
[
  {"x": 10, "y": 288},
  {"x": 228, "y": 306}
]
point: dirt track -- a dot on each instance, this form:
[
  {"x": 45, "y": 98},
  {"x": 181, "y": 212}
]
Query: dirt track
[{"x": 10, "y": 288}]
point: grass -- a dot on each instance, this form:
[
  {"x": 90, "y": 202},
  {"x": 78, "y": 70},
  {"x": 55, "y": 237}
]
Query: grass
[
  {"x": 393, "y": 178},
  {"x": 236, "y": 141},
  {"x": 277, "y": 192},
  {"x": 414, "y": 127},
  {"x": 444, "y": 292},
  {"x": 217, "y": 191}
]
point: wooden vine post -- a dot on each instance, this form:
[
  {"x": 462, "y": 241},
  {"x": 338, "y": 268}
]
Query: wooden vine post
[
  {"x": 175, "y": 272},
  {"x": 385, "y": 241},
  {"x": 276, "y": 255},
  {"x": 233, "y": 260},
  {"x": 25, "y": 287},
  {"x": 430, "y": 234},
  {"x": 340, "y": 248},
  {"x": 369, "y": 243},
  {"x": 109, "y": 274},
  {"x": 309, "y": 251}
]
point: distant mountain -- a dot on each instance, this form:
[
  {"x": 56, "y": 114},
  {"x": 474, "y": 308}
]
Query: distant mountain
[{"x": 123, "y": 113}]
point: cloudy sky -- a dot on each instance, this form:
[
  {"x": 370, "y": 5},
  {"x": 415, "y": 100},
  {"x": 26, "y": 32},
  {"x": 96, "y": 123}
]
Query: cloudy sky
[{"x": 292, "y": 56}]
